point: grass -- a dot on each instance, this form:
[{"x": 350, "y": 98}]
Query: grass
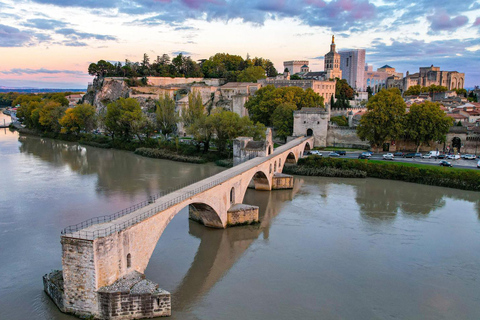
[{"x": 421, "y": 166}]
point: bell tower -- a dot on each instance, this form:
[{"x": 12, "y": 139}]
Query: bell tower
[{"x": 332, "y": 62}]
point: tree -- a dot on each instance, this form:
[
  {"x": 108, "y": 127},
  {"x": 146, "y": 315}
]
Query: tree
[
  {"x": 370, "y": 92},
  {"x": 282, "y": 120},
  {"x": 50, "y": 115},
  {"x": 195, "y": 121},
  {"x": 123, "y": 118},
  {"x": 425, "y": 123},
  {"x": 295, "y": 77},
  {"x": 383, "y": 120},
  {"x": 251, "y": 74},
  {"x": 166, "y": 115},
  {"x": 413, "y": 90},
  {"x": 228, "y": 125},
  {"x": 461, "y": 92},
  {"x": 79, "y": 118},
  {"x": 262, "y": 105},
  {"x": 343, "y": 90}
]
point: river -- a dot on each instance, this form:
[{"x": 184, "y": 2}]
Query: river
[{"x": 329, "y": 249}]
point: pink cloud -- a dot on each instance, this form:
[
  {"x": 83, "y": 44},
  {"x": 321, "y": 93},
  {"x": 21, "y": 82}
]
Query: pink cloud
[{"x": 477, "y": 22}]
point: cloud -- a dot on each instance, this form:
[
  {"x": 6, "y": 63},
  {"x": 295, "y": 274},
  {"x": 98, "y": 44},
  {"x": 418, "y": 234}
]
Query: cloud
[
  {"x": 20, "y": 71},
  {"x": 441, "y": 21},
  {"x": 184, "y": 53},
  {"x": 477, "y": 22},
  {"x": 75, "y": 35},
  {"x": 13, "y": 37},
  {"x": 44, "y": 24}
]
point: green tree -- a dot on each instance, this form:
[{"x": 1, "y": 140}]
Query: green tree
[
  {"x": 166, "y": 115},
  {"x": 124, "y": 118},
  {"x": 251, "y": 74},
  {"x": 425, "y": 123},
  {"x": 262, "y": 105},
  {"x": 80, "y": 118},
  {"x": 461, "y": 92},
  {"x": 413, "y": 90},
  {"x": 50, "y": 115},
  {"x": 282, "y": 120},
  {"x": 295, "y": 77},
  {"x": 383, "y": 120},
  {"x": 370, "y": 92},
  {"x": 227, "y": 125},
  {"x": 343, "y": 90}
]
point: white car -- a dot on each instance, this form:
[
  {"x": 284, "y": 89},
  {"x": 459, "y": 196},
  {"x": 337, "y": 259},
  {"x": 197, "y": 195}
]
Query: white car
[
  {"x": 427, "y": 156},
  {"x": 453, "y": 156},
  {"x": 388, "y": 156},
  {"x": 316, "y": 152},
  {"x": 469, "y": 157},
  {"x": 478, "y": 164}
]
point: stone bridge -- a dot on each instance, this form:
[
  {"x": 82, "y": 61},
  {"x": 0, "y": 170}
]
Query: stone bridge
[{"x": 104, "y": 258}]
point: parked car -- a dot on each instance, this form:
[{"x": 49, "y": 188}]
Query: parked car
[
  {"x": 316, "y": 152},
  {"x": 418, "y": 155},
  {"x": 333, "y": 154},
  {"x": 366, "y": 154},
  {"x": 441, "y": 156},
  {"x": 399, "y": 154},
  {"x": 478, "y": 164},
  {"x": 410, "y": 155},
  {"x": 453, "y": 157},
  {"x": 341, "y": 152},
  {"x": 469, "y": 157},
  {"x": 388, "y": 156},
  {"x": 363, "y": 156},
  {"x": 427, "y": 156},
  {"x": 445, "y": 163}
]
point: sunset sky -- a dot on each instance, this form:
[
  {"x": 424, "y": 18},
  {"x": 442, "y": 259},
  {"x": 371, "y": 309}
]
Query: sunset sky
[{"x": 50, "y": 43}]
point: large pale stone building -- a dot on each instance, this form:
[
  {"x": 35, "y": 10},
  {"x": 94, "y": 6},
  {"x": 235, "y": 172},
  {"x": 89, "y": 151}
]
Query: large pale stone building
[
  {"x": 296, "y": 66},
  {"x": 332, "y": 62},
  {"x": 352, "y": 65},
  {"x": 433, "y": 75}
]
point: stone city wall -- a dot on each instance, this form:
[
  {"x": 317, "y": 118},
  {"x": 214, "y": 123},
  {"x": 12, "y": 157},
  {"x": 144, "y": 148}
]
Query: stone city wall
[{"x": 344, "y": 137}]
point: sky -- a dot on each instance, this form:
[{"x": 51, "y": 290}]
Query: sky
[{"x": 50, "y": 43}]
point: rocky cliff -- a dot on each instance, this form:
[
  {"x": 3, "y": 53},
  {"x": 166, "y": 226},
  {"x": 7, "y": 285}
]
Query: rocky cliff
[{"x": 104, "y": 91}]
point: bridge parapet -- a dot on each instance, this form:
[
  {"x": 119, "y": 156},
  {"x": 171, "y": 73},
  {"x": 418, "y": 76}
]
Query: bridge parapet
[{"x": 146, "y": 209}]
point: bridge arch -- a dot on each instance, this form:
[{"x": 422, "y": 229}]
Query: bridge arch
[
  {"x": 291, "y": 158},
  {"x": 205, "y": 214},
  {"x": 260, "y": 181}
]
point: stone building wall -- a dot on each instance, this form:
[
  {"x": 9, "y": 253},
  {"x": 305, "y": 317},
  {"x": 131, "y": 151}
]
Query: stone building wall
[
  {"x": 312, "y": 121},
  {"x": 344, "y": 137}
]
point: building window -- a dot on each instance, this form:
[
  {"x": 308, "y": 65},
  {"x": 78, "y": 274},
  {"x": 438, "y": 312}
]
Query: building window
[{"x": 129, "y": 260}]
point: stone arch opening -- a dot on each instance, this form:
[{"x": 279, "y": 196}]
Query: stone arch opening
[
  {"x": 269, "y": 150},
  {"x": 456, "y": 144},
  {"x": 307, "y": 147},
  {"x": 309, "y": 132},
  {"x": 291, "y": 158},
  {"x": 204, "y": 214},
  {"x": 260, "y": 181},
  {"x": 270, "y": 168},
  {"x": 279, "y": 164},
  {"x": 232, "y": 195},
  {"x": 275, "y": 166},
  {"x": 129, "y": 260}
]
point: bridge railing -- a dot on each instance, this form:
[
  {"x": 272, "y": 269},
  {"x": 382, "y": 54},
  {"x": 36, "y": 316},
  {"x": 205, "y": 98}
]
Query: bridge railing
[{"x": 78, "y": 232}]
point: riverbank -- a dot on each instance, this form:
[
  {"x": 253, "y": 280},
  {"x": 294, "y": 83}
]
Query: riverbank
[
  {"x": 465, "y": 179},
  {"x": 149, "y": 147}
]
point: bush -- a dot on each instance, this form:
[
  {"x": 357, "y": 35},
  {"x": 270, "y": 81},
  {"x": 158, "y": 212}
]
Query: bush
[
  {"x": 324, "y": 172},
  {"x": 227, "y": 163},
  {"x": 107, "y": 145},
  {"x": 168, "y": 155},
  {"x": 424, "y": 174}
]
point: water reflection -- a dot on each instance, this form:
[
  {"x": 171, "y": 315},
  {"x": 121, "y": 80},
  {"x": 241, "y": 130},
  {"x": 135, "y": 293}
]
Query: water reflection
[
  {"x": 219, "y": 250},
  {"x": 116, "y": 171}
]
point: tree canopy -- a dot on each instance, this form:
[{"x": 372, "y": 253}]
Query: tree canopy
[
  {"x": 426, "y": 122},
  {"x": 383, "y": 120},
  {"x": 262, "y": 105},
  {"x": 282, "y": 119},
  {"x": 418, "y": 89}
]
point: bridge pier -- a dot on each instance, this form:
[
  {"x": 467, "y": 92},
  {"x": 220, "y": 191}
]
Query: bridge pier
[
  {"x": 241, "y": 214},
  {"x": 282, "y": 181}
]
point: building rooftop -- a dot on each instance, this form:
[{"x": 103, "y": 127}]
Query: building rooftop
[{"x": 386, "y": 66}]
